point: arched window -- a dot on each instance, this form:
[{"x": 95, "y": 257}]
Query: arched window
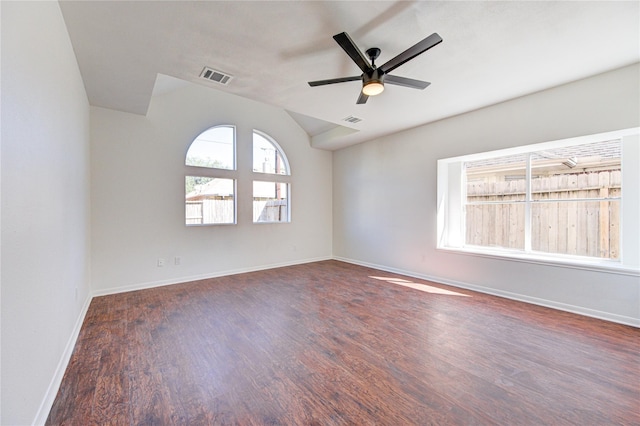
[
  {"x": 210, "y": 194},
  {"x": 271, "y": 200},
  {"x": 211, "y": 178}
]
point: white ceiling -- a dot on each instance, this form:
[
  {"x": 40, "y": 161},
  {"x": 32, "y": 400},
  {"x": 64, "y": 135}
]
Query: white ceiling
[{"x": 492, "y": 52}]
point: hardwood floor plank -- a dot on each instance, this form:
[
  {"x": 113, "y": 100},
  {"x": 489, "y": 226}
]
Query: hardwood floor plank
[{"x": 330, "y": 343}]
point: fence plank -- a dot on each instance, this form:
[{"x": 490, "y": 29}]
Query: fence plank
[
  {"x": 614, "y": 227},
  {"x": 553, "y": 229},
  {"x": 604, "y": 219}
]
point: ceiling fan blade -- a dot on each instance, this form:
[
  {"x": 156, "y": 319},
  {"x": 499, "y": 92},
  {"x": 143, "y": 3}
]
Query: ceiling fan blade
[
  {"x": 362, "y": 99},
  {"x": 411, "y": 53},
  {"x": 334, "y": 80},
  {"x": 406, "y": 82},
  {"x": 352, "y": 50}
]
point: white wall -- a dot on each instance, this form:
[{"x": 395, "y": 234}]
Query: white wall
[
  {"x": 383, "y": 209},
  {"x": 45, "y": 204},
  {"x": 137, "y": 184},
  {"x": 384, "y": 195},
  {"x": 0, "y": 212}
]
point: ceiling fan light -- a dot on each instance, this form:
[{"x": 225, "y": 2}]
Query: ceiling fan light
[{"x": 373, "y": 88}]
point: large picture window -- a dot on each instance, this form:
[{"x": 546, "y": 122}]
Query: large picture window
[{"x": 562, "y": 199}]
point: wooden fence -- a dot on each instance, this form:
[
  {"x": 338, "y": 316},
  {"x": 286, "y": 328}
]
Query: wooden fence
[
  {"x": 270, "y": 211},
  {"x": 207, "y": 211},
  {"x": 584, "y": 221}
]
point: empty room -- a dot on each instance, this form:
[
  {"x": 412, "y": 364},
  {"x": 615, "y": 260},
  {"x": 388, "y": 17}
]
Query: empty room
[{"x": 320, "y": 212}]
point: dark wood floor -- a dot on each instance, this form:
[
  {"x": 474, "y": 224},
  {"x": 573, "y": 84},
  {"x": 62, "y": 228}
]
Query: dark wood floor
[{"x": 331, "y": 343}]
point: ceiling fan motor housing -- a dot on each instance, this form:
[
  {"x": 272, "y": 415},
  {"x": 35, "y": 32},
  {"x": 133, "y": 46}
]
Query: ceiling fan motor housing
[
  {"x": 374, "y": 76},
  {"x": 372, "y": 84}
]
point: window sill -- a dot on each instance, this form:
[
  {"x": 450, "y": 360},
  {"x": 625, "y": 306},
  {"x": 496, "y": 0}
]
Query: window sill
[
  {"x": 197, "y": 225},
  {"x": 271, "y": 223},
  {"x": 556, "y": 260}
]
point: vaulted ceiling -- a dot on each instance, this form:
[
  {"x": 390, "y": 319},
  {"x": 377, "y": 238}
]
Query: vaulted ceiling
[{"x": 492, "y": 51}]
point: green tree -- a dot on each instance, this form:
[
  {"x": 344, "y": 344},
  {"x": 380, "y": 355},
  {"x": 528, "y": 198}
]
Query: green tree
[{"x": 192, "y": 181}]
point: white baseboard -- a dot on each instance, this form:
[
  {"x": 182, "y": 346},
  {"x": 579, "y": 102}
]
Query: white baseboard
[
  {"x": 54, "y": 385},
  {"x": 185, "y": 279},
  {"x": 607, "y": 316}
]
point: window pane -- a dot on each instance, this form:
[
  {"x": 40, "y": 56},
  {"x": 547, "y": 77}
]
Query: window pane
[
  {"x": 585, "y": 171},
  {"x": 213, "y": 148},
  {"x": 495, "y": 225},
  {"x": 209, "y": 200},
  {"x": 270, "y": 202},
  {"x": 582, "y": 228},
  {"x": 496, "y": 179},
  {"x": 567, "y": 200},
  {"x": 267, "y": 157}
]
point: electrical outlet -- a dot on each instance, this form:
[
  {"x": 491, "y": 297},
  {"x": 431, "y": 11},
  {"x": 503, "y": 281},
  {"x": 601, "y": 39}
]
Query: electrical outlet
[
  {"x": 177, "y": 261},
  {"x": 161, "y": 262}
]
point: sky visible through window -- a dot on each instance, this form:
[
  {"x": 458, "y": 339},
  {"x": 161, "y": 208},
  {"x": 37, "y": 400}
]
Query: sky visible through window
[
  {"x": 266, "y": 156},
  {"x": 213, "y": 148}
]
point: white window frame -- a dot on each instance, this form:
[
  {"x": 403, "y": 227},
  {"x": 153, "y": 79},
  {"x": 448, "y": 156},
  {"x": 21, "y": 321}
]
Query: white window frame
[
  {"x": 273, "y": 177},
  {"x": 451, "y": 218},
  {"x": 214, "y": 172}
]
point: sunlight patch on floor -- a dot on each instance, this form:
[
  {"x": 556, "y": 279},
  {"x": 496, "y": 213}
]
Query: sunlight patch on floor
[{"x": 422, "y": 287}]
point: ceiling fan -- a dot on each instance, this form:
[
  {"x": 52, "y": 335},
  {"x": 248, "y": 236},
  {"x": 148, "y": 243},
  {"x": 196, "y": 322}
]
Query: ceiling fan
[{"x": 373, "y": 78}]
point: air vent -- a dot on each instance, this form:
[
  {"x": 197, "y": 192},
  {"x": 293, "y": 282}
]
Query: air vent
[
  {"x": 352, "y": 119},
  {"x": 216, "y": 76}
]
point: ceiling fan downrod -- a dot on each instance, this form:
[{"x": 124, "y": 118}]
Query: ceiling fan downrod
[{"x": 373, "y": 54}]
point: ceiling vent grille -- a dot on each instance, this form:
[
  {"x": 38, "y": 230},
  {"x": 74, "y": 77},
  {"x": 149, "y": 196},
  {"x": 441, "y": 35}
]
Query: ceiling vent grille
[
  {"x": 216, "y": 76},
  {"x": 352, "y": 119}
]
